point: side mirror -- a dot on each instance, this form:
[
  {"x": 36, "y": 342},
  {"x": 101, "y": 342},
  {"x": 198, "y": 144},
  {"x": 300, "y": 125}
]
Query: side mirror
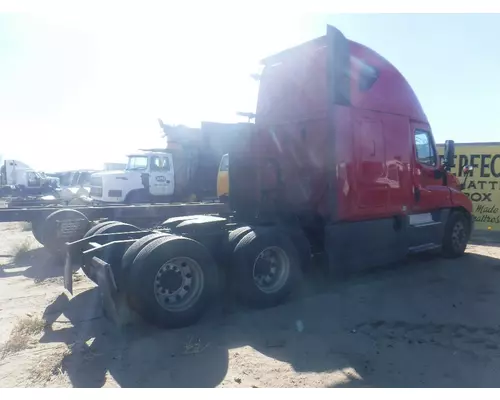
[
  {"x": 467, "y": 169},
  {"x": 449, "y": 154}
]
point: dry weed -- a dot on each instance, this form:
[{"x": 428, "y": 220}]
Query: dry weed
[
  {"x": 49, "y": 367},
  {"x": 22, "y": 248},
  {"x": 22, "y": 334}
]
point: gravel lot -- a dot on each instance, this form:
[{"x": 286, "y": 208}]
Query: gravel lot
[{"x": 427, "y": 322}]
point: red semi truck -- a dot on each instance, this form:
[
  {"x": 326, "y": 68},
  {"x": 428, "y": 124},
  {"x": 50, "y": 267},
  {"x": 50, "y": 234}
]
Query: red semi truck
[{"x": 340, "y": 159}]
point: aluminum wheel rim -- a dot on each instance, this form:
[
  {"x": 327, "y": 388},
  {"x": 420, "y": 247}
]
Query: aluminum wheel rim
[
  {"x": 458, "y": 235},
  {"x": 178, "y": 284},
  {"x": 271, "y": 269}
]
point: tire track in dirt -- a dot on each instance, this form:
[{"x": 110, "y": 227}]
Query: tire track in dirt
[{"x": 478, "y": 341}]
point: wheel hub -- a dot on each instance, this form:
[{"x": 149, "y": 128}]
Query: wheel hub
[
  {"x": 458, "y": 235},
  {"x": 178, "y": 284},
  {"x": 265, "y": 266},
  {"x": 271, "y": 269},
  {"x": 171, "y": 280}
]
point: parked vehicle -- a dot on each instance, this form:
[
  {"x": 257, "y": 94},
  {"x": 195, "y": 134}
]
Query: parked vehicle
[
  {"x": 341, "y": 160},
  {"x": 223, "y": 179},
  {"x": 186, "y": 170},
  {"x": 148, "y": 176},
  {"x": 19, "y": 179}
]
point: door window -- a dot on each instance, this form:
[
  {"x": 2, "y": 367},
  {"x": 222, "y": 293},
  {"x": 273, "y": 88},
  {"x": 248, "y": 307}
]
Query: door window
[
  {"x": 33, "y": 180},
  {"x": 425, "y": 150},
  {"x": 160, "y": 164}
]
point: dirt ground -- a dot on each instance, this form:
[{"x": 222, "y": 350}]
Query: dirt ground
[{"x": 427, "y": 322}]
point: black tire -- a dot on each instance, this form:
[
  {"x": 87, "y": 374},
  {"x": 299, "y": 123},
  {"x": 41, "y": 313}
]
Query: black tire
[
  {"x": 456, "y": 235},
  {"x": 37, "y": 231},
  {"x": 174, "y": 221},
  {"x": 112, "y": 255},
  {"x": 234, "y": 238},
  {"x": 302, "y": 246},
  {"x": 56, "y": 243},
  {"x": 223, "y": 254},
  {"x": 142, "y": 277},
  {"x": 133, "y": 251},
  {"x": 201, "y": 224},
  {"x": 95, "y": 228},
  {"x": 246, "y": 254},
  {"x": 89, "y": 233},
  {"x": 113, "y": 227}
]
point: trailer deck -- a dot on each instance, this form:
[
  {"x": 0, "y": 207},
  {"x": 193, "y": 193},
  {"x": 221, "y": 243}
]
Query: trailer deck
[{"x": 116, "y": 212}]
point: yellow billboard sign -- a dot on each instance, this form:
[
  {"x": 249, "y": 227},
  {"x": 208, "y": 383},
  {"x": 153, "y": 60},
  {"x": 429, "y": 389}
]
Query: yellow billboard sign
[{"x": 483, "y": 182}]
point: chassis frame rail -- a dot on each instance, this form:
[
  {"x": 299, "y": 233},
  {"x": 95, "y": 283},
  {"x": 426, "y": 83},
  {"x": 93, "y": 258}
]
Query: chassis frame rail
[{"x": 159, "y": 212}]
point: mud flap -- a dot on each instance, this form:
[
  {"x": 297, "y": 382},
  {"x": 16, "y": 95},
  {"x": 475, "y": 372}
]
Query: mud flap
[
  {"x": 114, "y": 302},
  {"x": 68, "y": 273}
]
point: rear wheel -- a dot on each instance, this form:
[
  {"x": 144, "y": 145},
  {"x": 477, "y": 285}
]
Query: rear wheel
[
  {"x": 89, "y": 233},
  {"x": 235, "y": 236},
  {"x": 60, "y": 227},
  {"x": 265, "y": 268},
  {"x": 95, "y": 228},
  {"x": 112, "y": 255},
  {"x": 37, "y": 230},
  {"x": 174, "y": 221},
  {"x": 302, "y": 246},
  {"x": 456, "y": 235},
  {"x": 172, "y": 281},
  {"x": 133, "y": 251}
]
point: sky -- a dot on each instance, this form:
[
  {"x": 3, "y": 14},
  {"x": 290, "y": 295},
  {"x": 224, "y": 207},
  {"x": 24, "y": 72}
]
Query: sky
[{"x": 86, "y": 88}]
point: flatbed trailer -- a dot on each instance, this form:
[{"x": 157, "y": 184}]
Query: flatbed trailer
[
  {"x": 56, "y": 225},
  {"x": 33, "y": 201}
]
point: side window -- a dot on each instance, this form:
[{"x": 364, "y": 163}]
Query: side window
[
  {"x": 166, "y": 163},
  {"x": 85, "y": 178},
  {"x": 32, "y": 179},
  {"x": 160, "y": 164},
  {"x": 425, "y": 148}
]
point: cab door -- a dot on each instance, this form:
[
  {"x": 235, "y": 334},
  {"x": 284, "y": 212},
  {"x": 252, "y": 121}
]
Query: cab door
[
  {"x": 161, "y": 175},
  {"x": 429, "y": 191},
  {"x": 430, "y": 195},
  {"x": 33, "y": 179}
]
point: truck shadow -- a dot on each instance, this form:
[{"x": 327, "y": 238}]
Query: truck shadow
[
  {"x": 36, "y": 264},
  {"x": 485, "y": 238},
  {"x": 421, "y": 324}
]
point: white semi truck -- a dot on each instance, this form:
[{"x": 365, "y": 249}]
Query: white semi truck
[{"x": 18, "y": 178}]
